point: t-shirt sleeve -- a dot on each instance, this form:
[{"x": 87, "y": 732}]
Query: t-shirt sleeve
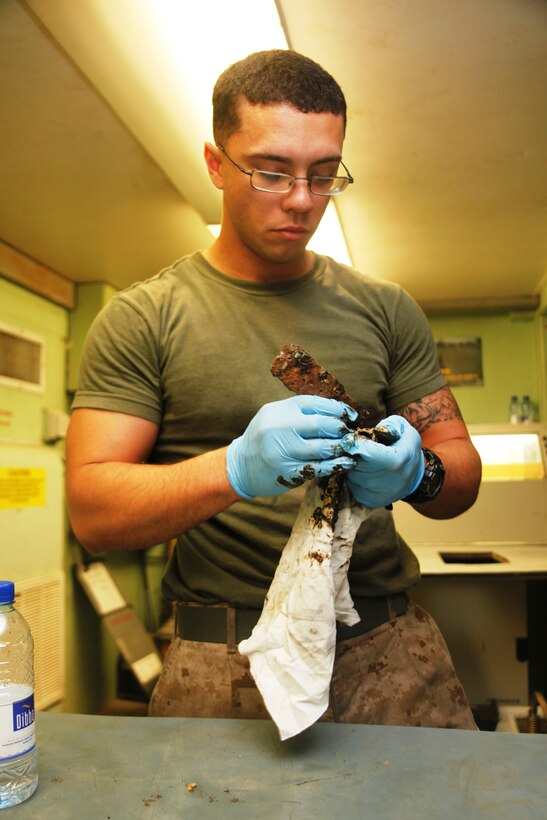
[
  {"x": 414, "y": 366},
  {"x": 120, "y": 364}
]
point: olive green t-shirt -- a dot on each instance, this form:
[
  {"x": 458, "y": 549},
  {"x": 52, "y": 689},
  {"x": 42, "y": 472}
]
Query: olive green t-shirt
[{"x": 190, "y": 349}]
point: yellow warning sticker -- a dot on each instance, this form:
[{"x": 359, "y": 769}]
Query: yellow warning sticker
[{"x": 22, "y": 487}]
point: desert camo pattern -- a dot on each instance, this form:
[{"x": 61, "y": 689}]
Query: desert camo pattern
[{"x": 398, "y": 674}]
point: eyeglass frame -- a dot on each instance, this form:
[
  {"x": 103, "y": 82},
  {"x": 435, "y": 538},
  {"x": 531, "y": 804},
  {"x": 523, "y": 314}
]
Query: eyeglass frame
[{"x": 294, "y": 179}]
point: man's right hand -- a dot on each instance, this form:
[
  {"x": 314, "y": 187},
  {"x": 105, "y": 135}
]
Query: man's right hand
[{"x": 286, "y": 443}]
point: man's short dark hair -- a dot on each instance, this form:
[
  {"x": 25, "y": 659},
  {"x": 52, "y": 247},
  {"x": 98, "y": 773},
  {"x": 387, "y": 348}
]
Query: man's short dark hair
[{"x": 274, "y": 77}]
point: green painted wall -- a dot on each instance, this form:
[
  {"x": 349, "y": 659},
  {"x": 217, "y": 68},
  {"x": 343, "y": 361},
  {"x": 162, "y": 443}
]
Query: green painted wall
[
  {"x": 511, "y": 363},
  {"x": 34, "y": 550},
  {"x": 32, "y": 538}
]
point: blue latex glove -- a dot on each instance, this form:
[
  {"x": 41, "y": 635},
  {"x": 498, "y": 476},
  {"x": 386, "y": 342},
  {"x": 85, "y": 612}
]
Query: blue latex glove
[
  {"x": 286, "y": 443},
  {"x": 384, "y": 474}
]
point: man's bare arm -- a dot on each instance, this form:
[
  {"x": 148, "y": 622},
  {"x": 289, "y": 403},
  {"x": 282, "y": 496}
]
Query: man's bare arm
[
  {"x": 117, "y": 502},
  {"x": 438, "y": 419}
]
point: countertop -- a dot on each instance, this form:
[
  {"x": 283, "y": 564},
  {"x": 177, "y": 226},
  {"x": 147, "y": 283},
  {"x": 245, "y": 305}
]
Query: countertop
[
  {"x": 510, "y": 558},
  {"x": 123, "y": 768}
]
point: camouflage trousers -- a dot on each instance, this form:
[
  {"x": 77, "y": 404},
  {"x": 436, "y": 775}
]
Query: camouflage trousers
[{"x": 398, "y": 674}]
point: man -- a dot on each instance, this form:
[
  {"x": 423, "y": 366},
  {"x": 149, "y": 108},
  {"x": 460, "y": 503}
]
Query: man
[{"x": 179, "y": 430}]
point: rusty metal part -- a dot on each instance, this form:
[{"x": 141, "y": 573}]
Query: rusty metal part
[
  {"x": 302, "y": 374},
  {"x": 380, "y": 434}
]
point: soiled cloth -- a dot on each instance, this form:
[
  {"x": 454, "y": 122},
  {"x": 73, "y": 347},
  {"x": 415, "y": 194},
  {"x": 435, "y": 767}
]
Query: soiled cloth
[{"x": 291, "y": 649}]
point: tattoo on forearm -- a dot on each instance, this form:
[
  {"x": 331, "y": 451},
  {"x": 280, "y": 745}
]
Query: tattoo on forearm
[{"x": 436, "y": 407}]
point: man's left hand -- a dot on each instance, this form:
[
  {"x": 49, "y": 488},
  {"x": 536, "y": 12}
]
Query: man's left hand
[{"x": 385, "y": 473}]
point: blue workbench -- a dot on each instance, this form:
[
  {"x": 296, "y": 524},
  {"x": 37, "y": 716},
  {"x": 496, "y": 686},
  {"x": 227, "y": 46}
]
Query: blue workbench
[{"x": 127, "y": 768}]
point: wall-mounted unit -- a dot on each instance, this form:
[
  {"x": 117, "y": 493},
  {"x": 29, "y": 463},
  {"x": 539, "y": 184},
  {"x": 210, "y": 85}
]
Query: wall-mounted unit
[{"x": 22, "y": 359}]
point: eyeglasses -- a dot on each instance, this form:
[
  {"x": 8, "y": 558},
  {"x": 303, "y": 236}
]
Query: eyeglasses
[{"x": 274, "y": 183}]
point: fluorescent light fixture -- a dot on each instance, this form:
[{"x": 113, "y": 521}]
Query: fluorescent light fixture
[{"x": 200, "y": 43}]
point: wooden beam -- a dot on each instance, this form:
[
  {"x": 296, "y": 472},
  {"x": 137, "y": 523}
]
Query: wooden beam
[{"x": 30, "y": 274}]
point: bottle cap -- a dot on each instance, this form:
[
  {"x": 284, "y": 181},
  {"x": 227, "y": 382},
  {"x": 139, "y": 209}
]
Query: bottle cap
[{"x": 7, "y": 592}]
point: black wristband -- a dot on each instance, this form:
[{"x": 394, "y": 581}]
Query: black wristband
[{"x": 432, "y": 481}]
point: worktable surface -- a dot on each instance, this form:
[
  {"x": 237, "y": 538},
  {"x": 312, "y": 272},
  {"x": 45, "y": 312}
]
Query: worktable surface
[{"x": 124, "y": 768}]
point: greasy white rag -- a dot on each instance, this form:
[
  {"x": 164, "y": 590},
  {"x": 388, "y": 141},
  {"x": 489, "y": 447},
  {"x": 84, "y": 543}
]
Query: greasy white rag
[{"x": 291, "y": 649}]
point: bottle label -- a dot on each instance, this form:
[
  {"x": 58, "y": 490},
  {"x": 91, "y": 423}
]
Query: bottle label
[{"x": 17, "y": 728}]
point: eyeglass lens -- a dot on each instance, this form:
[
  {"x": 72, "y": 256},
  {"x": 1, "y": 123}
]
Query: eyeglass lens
[{"x": 282, "y": 183}]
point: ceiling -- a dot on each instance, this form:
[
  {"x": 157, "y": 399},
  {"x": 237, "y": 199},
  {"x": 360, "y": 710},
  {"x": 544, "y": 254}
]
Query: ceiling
[{"x": 447, "y": 141}]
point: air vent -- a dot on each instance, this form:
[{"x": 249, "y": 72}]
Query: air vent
[
  {"x": 41, "y": 602},
  {"x": 22, "y": 359}
]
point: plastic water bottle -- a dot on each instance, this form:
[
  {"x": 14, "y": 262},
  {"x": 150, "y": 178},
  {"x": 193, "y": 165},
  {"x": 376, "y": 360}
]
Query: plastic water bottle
[
  {"x": 18, "y": 769},
  {"x": 514, "y": 410},
  {"x": 526, "y": 410}
]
